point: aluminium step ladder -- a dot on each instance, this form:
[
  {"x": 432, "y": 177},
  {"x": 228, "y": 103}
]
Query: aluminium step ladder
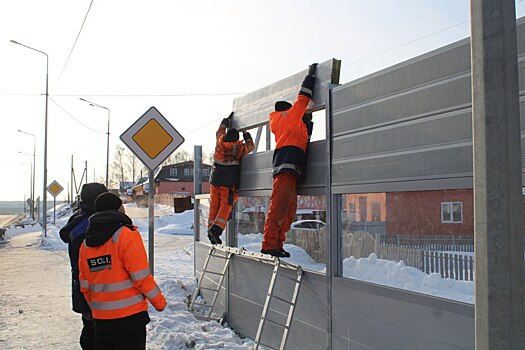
[
  {"x": 269, "y": 296},
  {"x": 226, "y": 256}
]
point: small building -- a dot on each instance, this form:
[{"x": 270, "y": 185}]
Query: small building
[{"x": 178, "y": 177}]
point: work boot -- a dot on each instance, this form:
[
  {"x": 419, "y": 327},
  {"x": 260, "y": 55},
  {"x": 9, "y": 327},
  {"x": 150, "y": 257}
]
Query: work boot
[
  {"x": 286, "y": 254},
  {"x": 214, "y": 234},
  {"x": 275, "y": 252}
]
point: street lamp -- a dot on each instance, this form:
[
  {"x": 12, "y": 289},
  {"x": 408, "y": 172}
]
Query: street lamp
[
  {"x": 34, "y": 166},
  {"x": 107, "y": 151},
  {"x": 31, "y": 185},
  {"x": 44, "y": 195}
]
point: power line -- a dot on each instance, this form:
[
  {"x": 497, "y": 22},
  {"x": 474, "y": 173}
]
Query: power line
[
  {"x": 411, "y": 41},
  {"x": 75, "y": 43},
  {"x": 75, "y": 119},
  {"x": 155, "y": 95},
  {"x": 405, "y": 44}
]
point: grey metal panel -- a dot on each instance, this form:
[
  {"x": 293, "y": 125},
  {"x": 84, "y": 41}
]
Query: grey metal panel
[
  {"x": 453, "y": 161},
  {"x": 378, "y": 317},
  {"x": 433, "y": 66},
  {"x": 256, "y": 171},
  {"x": 254, "y": 109},
  {"x": 410, "y": 124},
  {"x": 248, "y": 285}
]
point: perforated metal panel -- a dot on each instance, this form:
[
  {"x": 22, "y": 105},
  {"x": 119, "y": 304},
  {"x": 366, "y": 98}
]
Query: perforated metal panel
[
  {"x": 410, "y": 122},
  {"x": 254, "y": 109}
]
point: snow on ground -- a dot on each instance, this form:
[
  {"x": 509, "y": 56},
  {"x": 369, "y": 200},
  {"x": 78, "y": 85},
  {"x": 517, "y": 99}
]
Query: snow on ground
[{"x": 176, "y": 327}]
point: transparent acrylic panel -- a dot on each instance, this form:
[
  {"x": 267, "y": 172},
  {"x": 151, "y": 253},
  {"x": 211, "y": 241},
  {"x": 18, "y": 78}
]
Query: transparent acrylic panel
[
  {"x": 305, "y": 241},
  {"x": 420, "y": 241},
  {"x": 204, "y": 211}
]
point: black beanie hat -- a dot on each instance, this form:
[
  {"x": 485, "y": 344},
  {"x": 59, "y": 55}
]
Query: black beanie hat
[
  {"x": 232, "y": 135},
  {"x": 281, "y": 106},
  {"x": 107, "y": 201},
  {"x": 90, "y": 192}
]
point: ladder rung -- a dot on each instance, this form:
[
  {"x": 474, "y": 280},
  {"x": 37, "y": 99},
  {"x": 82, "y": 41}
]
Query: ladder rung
[
  {"x": 268, "y": 346},
  {"x": 291, "y": 278},
  {"x": 215, "y": 273},
  {"x": 276, "y": 323},
  {"x": 206, "y": 288},
  {"x": 220, "y": 256},
  {"x": 283, "y": 300}
]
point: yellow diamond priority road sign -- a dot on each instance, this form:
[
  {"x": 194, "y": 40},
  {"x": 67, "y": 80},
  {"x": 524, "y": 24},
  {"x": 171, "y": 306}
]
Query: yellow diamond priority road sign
[
  {"x": 54, "y": 188},
  {"x": 152, "y": 138}
]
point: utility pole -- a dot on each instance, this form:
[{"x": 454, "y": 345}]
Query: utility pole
[{"x": 498, "y": 203}]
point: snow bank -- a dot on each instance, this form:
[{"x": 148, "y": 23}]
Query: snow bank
[
  {"x": 389, "y": 273},
  {"x": 175, "y": 224}
]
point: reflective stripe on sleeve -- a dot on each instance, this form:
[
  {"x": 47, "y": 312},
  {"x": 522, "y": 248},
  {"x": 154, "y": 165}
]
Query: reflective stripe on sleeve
[
  {"x": 138, "y": 275},
  {"x": 117, "y": 304},
  {"x": 116, "y": 235},
  {"x": 221, "y": 220},
  {"x": 306, "y": 90},
  {"x": 290, "y": 166},
  {"x": 110, "y": 287},
  {"x": 153, "y": 293},
  {"x": 84, "y": 284}
]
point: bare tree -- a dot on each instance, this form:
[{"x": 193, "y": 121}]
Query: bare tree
[
  {"x": 181, "y": 155},
  {"x": 126, "y": 167}
]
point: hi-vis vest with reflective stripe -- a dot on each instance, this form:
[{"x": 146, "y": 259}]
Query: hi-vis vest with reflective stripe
[
  {"x": 110, "y": 290},
  {"x": 227, "y": 159},
  {"x": 291, "y": 138}
]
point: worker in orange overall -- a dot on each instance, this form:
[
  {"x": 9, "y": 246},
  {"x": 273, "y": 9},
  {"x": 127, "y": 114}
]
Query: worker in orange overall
[
  {"x": 115, "y": 277},
  {"x": 291, "y": 129},
  {"x": 225, "y": 176}
]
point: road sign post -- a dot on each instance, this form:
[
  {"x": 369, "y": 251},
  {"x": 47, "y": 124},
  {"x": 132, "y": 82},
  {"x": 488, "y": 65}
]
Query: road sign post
[
  {"x": 53, "y": 189},
  {"x": 152, "y": 139}
]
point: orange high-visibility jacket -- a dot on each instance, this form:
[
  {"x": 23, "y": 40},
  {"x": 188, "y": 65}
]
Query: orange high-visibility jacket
[
  {"x": 288, "y": 126},
  {"x": 115, "y": 277},
  {"x": 227, "y": 158},
  {"x": 291, "y": 134}
]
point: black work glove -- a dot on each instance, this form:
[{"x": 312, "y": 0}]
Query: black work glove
[
  {"x": 312, "y": 68},
  {"x": 246, "y": 135},
  {"x": 227, "y": 121},
  {"x": 310, "y": 128},
  {"x": 307, "y": 118}
]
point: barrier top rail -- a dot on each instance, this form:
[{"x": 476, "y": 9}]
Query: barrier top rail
[{"x": 252, "y": 110}]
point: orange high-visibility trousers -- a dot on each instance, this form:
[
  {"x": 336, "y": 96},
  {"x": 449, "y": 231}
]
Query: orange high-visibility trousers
[
  {"x": 283, "y": 206},
  {"x": 219, "y": 207}
]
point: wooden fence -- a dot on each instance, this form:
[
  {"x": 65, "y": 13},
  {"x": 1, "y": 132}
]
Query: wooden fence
[
  {"x": 431, "y": 242},
  {"x": 448, "y": 265}
]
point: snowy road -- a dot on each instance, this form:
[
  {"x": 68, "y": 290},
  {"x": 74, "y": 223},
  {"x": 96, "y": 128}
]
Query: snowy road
[{"x": 35, "y": 297}]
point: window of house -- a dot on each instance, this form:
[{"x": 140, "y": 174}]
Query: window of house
[
  {"x": 192, "y": 171},
  {"x": 451, "y": 212},
  {"x": 363, "y": 210},
  {"x": 376, "y": 211},
  {"x": 173, "y": 172},
  {"x": 206, "y": 172},
  {"x": 187, "y": 172}
]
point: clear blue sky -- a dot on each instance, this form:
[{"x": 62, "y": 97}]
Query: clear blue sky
[{"x": 129, "y": 52}]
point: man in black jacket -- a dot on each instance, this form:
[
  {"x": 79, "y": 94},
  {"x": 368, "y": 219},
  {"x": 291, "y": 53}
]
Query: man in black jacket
[{"x": 73, "y": 234}]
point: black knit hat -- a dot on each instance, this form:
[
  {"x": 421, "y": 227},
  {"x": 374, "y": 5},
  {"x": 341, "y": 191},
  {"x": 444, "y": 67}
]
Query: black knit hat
[
  {"x": 281, "y": 106},
  {"x": 107, "y": 201},
  {"x": 232, "y": 135},
  {"x": 90, "y": 192}
]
